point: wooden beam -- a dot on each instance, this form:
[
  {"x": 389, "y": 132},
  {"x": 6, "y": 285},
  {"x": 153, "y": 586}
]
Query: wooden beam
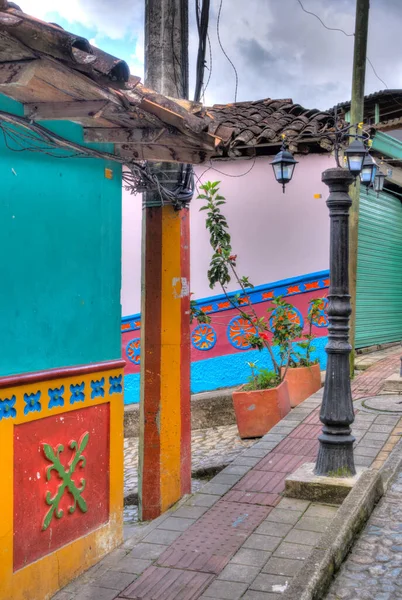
[
  {"x": 65, "y": 110},
  {"x": 144, "y": 135},
  {"x": 396, "y": 173},
  {"x": 166, "y": 109},
  {"x": 161, "y": 153}
]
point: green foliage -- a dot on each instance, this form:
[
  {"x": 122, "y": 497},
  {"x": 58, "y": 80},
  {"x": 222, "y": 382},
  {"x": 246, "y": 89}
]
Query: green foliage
[
  {"x": 197, "y": 314},
  {"x": 284, "y": 329},
  {"x": 303, "y": 359},
  {"x": 279, "y": 328},
  {"x": 261, "y": 379},
  {"x": 219, "y": 236}
]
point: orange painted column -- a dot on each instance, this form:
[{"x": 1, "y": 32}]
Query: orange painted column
[{"x": 165, "y": 423}]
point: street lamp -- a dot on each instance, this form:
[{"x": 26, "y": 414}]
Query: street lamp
[
  {"x": 284, "y": 165},
  {"x": 335, "y": 455},
  {"x": 368, "y": 171},
  {"x": 355, "y": 155},
  {"x": 379, "y": 180}
]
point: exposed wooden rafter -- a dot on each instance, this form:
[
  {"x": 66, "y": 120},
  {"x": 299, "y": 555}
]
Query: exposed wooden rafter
[
  {"x": 145, "y": 135},
  {"x": 74, "y": 109},
  {"x": 155, "y": 152}
]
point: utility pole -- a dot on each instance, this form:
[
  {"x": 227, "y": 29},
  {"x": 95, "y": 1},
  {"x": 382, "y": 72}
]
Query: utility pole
[
  {"x": 356, "y": 116},
  {"x": 165, "y": 423}
]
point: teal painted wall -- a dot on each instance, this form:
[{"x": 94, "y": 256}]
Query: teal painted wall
[
  {"x": 379, "y": 275},
  {"x": 60, "y": 265}
]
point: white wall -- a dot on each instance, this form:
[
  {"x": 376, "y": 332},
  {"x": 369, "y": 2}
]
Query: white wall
[{"x": 275, "y": 235}]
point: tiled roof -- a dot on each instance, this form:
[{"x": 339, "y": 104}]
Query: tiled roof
[
  {"x": 376, "y": 96},
  {"x": 265, "y": 121}
]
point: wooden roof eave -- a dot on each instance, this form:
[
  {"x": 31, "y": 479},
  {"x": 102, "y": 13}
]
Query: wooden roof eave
[{"x": 49, "y": 90}]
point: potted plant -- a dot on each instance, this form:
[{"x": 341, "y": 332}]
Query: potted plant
[
  {"x": 264, "y": 400},
  {"x": 304, "y": 375}
]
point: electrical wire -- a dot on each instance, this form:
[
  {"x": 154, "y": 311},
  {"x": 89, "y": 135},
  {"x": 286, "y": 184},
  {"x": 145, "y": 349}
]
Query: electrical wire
[
  {"x": 210, "y": 68},
  {"x": 202, "y": 16},
  {"x": 348, "y": 35},
  {"x": 375, "y": 72},
  {"x": 322, "y": 22},
  {"x": 224, "y": 51},
  {"x": 23, "y": 135},
  {"x": 212, "y": 168},
  {"x": 254, "y": 158}
]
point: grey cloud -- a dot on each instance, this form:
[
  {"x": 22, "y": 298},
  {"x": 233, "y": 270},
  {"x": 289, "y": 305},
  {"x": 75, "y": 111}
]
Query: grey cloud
[
  {"x": 255, "y": 54},
  {"x": 279, "y": 51}
]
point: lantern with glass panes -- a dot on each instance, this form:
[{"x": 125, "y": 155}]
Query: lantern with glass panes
[
  {"x": 368, "y": 172},
  {"x": 283, "y": 165}
]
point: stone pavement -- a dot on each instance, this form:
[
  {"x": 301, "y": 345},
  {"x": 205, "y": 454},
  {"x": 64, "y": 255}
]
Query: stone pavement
[
  {"x": 368, "y": 359},
  {"x": 369, "y": 383},
  {"x": 210, "y": 448},
  {"x": 373, "y": 570},
  {"x": 237, "y": 537}
]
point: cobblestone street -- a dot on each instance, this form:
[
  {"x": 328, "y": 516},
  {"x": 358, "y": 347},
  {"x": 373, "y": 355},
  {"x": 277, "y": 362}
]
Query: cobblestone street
[
  {"x": 214, "y": 447},
  {"x": 374, "y": 567}
]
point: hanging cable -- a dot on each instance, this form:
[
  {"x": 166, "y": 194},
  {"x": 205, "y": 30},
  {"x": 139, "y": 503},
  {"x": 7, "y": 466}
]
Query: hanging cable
[
  {"x": 202, "y": 16},
  {"x": 209, "y": 68},
  {"x": 348, "y": 35},
  {"x": 322, "y": 22},
  {"x": 224, "y": 51}
]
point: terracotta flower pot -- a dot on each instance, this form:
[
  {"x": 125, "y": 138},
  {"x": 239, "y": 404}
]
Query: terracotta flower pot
[
  {"x": 258, "y": 411},
  {"x": 302, "y": 383}
]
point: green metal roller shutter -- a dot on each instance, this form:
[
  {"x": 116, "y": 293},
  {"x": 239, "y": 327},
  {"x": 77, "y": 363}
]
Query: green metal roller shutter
[{"x": 379, "y": 270}]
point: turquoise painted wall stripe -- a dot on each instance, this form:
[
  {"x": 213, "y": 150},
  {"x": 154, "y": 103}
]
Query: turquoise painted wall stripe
[
  {"x": 229, "y": 370},
  {"x": 60, "y": 247}
]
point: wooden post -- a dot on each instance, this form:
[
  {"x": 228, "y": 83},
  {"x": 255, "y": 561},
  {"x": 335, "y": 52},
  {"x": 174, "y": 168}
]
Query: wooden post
[
  {"x": 165, "y": 425},
  {"x": 357, "y": 113}
]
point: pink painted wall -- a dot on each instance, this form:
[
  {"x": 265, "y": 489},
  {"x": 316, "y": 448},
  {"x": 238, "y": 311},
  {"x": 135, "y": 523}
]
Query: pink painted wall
[
  {"x": 131, "y": 254},
  {"x": 276, "y": 235}
]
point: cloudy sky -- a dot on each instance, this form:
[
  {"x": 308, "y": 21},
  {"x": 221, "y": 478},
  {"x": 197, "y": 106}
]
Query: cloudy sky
[{"x": 279, "y": 51}]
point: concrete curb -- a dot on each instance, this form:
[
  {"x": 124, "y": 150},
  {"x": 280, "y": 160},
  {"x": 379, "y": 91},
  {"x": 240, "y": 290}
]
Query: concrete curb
[
  {"x": 315, "y": 578},
  {"x": 208, "y": 409}
]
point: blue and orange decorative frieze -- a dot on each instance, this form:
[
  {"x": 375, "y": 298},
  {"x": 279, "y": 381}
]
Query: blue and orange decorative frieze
[
  {"x": 218, "y": 346},
  {"x": 61, "y": 443}
]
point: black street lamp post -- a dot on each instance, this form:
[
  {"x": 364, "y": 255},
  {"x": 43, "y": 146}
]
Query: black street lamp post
[{"x": 335, "y": 456}]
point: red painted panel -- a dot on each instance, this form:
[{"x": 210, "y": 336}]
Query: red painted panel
[
  {"x": 149, "y": 482},
  {"x": 220, "y": 321},
  {"x": 37, "y": 528},
  {"x": 185, "y": 359}
]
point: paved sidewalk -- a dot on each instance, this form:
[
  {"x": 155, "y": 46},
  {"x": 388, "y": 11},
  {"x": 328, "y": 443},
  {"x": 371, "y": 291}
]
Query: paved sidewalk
[
  {"x": 369, "y": 383},
  {"x": 238, "y": 538}
]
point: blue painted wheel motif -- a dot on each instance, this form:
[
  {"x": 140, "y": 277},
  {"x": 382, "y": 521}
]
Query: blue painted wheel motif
[
  {"x": 294, "y": 315},
  {"x": 239, "y": 330},
  {"x": 133, "y": 351},
  {"x": 204, "y": 337},
  {"x": 322, "y": 319}
]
